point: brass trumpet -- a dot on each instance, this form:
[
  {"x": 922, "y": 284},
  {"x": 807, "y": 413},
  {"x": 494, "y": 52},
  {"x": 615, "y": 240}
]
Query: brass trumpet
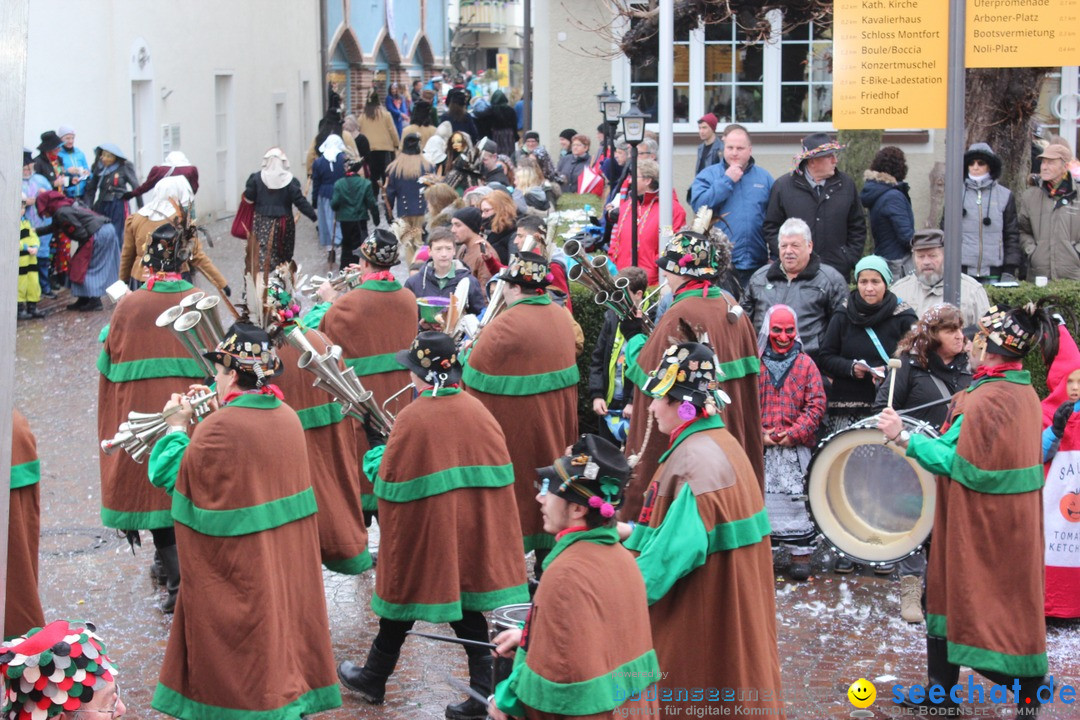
[
  {"x": 496, "y": 303},
  {"x": 137, "y": 436},
  {"x": 342, "y": 282},
  {"x": 356, "y": 401},
  {"x": 593, "y": 273}
]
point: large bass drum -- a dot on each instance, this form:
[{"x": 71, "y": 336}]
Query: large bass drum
[{"x": 869, "y": 501}]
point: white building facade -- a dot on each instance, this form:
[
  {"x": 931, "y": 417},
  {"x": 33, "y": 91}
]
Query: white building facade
[{"x": 220, "y": 81}]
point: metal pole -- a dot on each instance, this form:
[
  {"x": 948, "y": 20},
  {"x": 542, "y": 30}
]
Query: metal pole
[
  {"x": 633, "y": 205},
  {"x": 526, "y": 93},
  {"x": 954, "y": 151},
  {"x": 14, "y": 24},
  {"x": 666, "y": 154},
  {"x": 324, "y": 91}
]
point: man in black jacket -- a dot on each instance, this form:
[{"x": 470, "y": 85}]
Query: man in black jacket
[{"x": 815, "y": 191}]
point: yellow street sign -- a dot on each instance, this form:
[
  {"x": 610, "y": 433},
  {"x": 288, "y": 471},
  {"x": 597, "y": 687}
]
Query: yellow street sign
[
  {"x": 1021, "y": 33},
  {"x": 890, "y": 63}
]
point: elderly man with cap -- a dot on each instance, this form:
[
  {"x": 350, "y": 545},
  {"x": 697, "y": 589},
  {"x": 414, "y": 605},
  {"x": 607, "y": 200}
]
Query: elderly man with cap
[
  {"x": 825, "y": 198},
  {"x": 58, "y": 671},
  {"x": 467, "y": 226},
  {"x": 140, "y": 364},
  {"x": 702, "y": 544},
  {"x": 926, "y": 287},
  {"x": 444, "y": 467},
  {"x": 1049, "y": 219},
  {"x": 586, "y": 647},
  {"x": 984, "y": 581},
  {"x": 693, "y": 260},
  {"x": 523, "y": 368},
  {"x": 76, "y": 168},
  {"x": 249, "y": 545},
  {"x": 372, "y": 322}
]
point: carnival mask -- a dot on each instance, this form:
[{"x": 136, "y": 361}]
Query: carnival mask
[
  {"x": 978, "y": 346},
  {"x": 782, "y": 330}
]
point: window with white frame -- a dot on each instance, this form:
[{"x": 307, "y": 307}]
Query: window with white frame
[{"x": 782, "y": 84}]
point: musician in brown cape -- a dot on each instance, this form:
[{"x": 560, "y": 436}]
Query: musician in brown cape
[
  {"x": 141, "y": 363},
  {"x": 450, "y": 537},
  {"x": 985, "y": 579},
  {"x": 330, "y": 436},
  {"x": 371, "y": 323},
  {"x": 523, "y": 369},
  {"x": 586, "y": 648},
  {"x": 703, "y": 548},
  {"x": 22, "y": 605},
  {"x": 692, "y": 262},
  {"x": 250, "y": 637}
]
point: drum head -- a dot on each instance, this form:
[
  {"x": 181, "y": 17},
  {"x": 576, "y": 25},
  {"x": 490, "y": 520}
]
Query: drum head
[
  {"x": 867, "y": 499},
  {"x": 510, "y": 617}
]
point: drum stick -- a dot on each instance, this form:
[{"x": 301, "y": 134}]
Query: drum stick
[
  {"x": 459, "y": 641},
  {"x": 894, "y": 365},
  {"x": 462, "y": 687}
]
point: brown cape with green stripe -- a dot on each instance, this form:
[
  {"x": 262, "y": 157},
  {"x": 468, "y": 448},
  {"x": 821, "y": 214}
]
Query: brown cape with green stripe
[
  {"x": 22, "y": 608},
  {"x": 529, "y": 340},
  {"x": 589, "y": 618},
  {"x": 732, "y": 342},
  {"x": 367, "y": 323},
  {"x": 457, "y": 549},
  {"x": 250, "y": 631},
  {"x": 716, "y": 627},
  {"x": 985, "y": 580},
  {"x": 128, "y": 500},
  {"x": 335, "y": 473}
]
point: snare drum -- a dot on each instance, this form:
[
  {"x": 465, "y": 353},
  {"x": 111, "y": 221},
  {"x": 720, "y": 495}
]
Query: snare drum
[
  {"x": 869, "y": 501},
  {"x": 510, "y": 617}
]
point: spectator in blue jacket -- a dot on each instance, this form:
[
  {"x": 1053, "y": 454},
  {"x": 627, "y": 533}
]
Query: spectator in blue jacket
[
  {"x": 327, "y": 169},
  {"x": 885, "y": 197},
  {"x": 737, "y": 190},
  {"x": 75, "y": 165}
]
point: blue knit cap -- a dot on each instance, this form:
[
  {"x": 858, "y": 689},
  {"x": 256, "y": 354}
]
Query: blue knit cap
[{"x": 876, "y": 263}]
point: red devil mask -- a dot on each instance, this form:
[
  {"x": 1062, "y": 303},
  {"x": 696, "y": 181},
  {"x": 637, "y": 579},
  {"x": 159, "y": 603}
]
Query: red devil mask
[{"x": 782, "y": 330}]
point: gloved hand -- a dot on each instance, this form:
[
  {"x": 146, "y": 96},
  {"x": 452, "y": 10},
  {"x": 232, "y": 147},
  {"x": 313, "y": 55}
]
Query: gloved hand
[
  {"x": 1061, "y": 417},
  {"x": 631, "y": 326},
  {"x": 227, "y": 290},
  {"x": 127, "y": 196},
  {"x": 374, "y": 437}
]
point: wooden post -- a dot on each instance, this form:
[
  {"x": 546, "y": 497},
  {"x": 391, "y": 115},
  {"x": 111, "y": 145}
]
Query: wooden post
[{"x": 14, "y": 24}]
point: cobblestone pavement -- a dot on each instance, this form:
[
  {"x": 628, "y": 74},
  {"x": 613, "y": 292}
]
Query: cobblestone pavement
[{"x": 832, "y": 631}]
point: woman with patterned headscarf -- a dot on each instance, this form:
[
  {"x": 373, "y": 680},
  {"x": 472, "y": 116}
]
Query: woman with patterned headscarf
[{"x": 275, "y": 192}]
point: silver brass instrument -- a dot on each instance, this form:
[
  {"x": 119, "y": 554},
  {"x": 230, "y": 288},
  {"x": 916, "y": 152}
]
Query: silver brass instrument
[
  {"x": 593, "y": 273},
  {"x": 137, "y": 436},
  {"x": 196, "y": 324},
  {"x": 496, "y": 303},
  {"x": 341, "y": 282},
  {"x": 356, "y": 401}
]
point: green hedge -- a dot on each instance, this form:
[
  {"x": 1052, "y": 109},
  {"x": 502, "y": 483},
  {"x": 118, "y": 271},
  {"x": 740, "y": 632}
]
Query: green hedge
[
  {"x": 591, "y": 317},
  {"x": 1067, "y": 291}
]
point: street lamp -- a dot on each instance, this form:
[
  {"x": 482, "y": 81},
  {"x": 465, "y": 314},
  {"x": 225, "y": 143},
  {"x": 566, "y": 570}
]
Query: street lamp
[
  {"x": 633, "y": 127},
  {"x": 612, "y": 108}
]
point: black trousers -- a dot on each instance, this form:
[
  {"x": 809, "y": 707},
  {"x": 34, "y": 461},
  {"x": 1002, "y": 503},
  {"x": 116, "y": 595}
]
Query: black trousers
[
  {"x": 472, "y": 626},
  {"x": 353, "y": 233}
]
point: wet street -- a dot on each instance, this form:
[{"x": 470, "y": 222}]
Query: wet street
[{"x": 832, "y": 630}]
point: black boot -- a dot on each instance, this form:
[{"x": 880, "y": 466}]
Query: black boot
[
  {"x": 92, "y": 305},
  {"x": 79, "y": 303},
  {"x": 1029, "y": 704},
  {"x": 23, "y": 314},
  {"x": 157, "y": 570},
  {"x": 170, "y": 561},
  {"x": 369, "y": 682},
  {"x": 939, "y": 671},
  {"x": 480, "y": 669},
  {"x": 32, "y": 310}
]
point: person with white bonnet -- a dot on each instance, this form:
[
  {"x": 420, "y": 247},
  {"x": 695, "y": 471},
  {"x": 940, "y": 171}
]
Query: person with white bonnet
[
  {"x": 327, "y": 169},
  {"x": 176, "y": 164},
  {"x": 274, "y": 192},
  {"x": 161, "y": 207}
]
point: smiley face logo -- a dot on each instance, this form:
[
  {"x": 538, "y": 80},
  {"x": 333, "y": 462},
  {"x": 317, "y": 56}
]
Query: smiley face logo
[{"x": 862, "y": 693}]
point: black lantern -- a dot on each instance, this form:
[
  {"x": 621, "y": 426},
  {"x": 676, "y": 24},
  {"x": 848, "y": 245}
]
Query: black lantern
[{"x": 633, "y": 124}]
